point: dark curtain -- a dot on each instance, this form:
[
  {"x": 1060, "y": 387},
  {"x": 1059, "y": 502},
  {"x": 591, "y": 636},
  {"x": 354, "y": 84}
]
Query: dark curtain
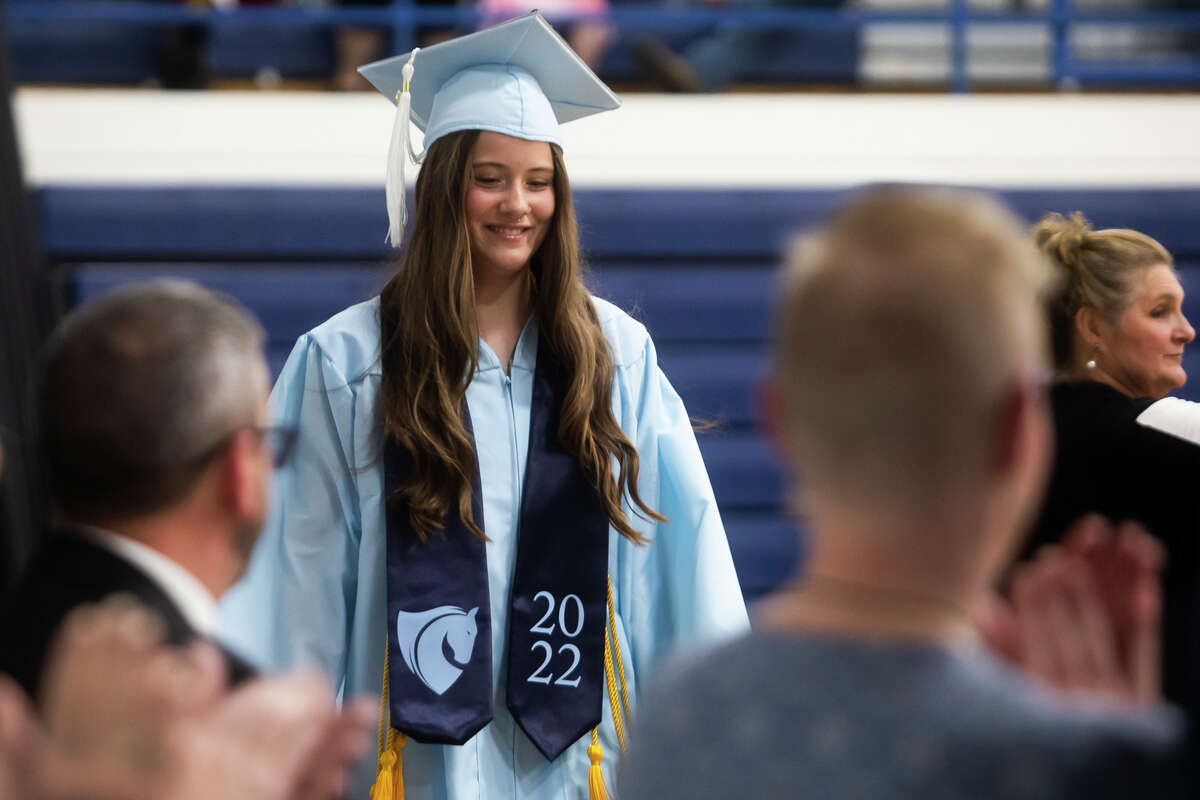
[{"x": 23, "y": 320}]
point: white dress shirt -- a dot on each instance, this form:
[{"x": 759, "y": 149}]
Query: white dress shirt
[{"x": 193, "y": 599}]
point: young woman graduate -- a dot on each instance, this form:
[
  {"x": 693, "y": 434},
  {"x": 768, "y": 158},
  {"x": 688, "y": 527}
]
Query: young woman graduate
[{"x": 494, "y": 485}]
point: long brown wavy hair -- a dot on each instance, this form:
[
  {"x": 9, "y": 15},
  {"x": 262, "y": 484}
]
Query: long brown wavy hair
[{"x": 430, "y": 339}]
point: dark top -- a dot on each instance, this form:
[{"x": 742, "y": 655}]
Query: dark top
[
  {"x": 1109, "y": 463},
  {"x": 68, "y": 571},
  {"x": 773, "y": 717}
]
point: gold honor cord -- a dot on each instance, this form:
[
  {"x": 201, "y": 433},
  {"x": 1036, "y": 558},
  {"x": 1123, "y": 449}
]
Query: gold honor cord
[
  {"x": 389, "y": 771},
  {"x": 616, "y": 643},
  {"x": 596, "y": 788}
]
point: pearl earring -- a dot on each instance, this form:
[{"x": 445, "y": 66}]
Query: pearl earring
[{"x": 1091, "y": 362}]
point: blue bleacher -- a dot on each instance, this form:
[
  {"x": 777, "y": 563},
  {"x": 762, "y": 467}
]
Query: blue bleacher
[
  {"x": 697, "y": 267},
  {"x": 90, "y": 52},
  {"x": 667, "y": 226},
  {"x": 77, "y": 41}
]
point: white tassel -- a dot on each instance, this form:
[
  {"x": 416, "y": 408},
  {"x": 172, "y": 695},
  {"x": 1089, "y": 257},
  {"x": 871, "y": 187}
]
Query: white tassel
[{"x": 398, "y": 154}]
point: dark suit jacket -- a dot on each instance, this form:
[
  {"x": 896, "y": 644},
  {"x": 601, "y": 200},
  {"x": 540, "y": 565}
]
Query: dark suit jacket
[{"x": 68, "y": 571}]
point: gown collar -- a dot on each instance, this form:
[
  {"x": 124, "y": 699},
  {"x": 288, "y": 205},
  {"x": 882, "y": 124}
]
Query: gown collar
[{"x": 524, "y": 356}]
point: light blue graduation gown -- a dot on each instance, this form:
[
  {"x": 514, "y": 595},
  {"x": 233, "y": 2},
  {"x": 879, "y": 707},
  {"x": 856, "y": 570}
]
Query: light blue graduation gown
[{"x": 314, "y": 594}]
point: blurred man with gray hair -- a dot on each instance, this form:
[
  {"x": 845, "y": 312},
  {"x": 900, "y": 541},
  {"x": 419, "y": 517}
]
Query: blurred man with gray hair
[
  {"x": 154, "y": 425},
  {"x": 154, "y": 428}
]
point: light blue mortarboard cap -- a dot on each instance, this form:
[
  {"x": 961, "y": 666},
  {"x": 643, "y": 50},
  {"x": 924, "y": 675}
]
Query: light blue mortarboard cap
[{"x": 518, "y": 78}]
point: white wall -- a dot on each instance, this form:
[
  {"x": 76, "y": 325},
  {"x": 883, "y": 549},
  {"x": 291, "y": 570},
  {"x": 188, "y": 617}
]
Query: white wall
[{"x": 779, "y": 140}]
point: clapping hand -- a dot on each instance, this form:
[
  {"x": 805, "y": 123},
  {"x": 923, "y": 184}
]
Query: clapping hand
[
  {"x": 127, "y": 717},
  {"x": 1085, "y": 616}
]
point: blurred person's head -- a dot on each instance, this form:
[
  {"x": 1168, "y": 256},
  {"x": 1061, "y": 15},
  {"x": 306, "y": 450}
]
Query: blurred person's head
[
  {"x": 907, "y": 373},
  {"x": 153, "y": 419},
  {"x": 1116, "y": 315}
]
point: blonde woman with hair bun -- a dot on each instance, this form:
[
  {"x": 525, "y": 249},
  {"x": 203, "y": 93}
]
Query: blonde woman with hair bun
[
  {"x": 1117, "y": 314},
  {"x": 1124, "y": 448}
]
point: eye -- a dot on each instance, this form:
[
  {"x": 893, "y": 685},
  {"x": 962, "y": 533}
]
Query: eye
[
  {"x": 539, "y": 184},
  {"x": 487, "y": 180},
  {"x": 1160, "y": 311}
]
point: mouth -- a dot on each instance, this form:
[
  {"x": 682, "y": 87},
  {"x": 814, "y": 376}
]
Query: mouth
[{"x": 508, "y": 233}]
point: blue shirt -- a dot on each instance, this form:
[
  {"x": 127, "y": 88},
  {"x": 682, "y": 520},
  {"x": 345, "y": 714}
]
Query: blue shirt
[{"x": 314, "y": 593}]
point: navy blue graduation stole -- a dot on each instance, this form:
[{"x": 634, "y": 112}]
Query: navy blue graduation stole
[{"x": 439, "y": 651}]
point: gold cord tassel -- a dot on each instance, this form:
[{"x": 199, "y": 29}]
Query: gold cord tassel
[
  {"x": 383, "y": 778},
  {"x": 389, "y": 772},
  {"x": 596, "y": 788},
  {"x": 389, "y": 776}
]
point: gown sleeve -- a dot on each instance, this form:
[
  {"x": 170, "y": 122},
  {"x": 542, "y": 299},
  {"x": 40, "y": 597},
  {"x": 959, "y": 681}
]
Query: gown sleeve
[
  {"x": 293, "y": 608},
  {"x": 681, "y": 590}
]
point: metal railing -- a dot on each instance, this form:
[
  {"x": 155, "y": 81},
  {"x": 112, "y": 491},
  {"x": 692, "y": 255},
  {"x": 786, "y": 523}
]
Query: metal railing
[{"x": 403, "y": 17}]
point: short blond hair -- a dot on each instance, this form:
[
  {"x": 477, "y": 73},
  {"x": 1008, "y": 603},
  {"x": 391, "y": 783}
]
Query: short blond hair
[
  {"x": 1095, "y": 268},
  {"x": 903, "y": 322}
]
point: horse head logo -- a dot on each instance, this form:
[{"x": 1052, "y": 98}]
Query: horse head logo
[{"x": 423, "y": 637}]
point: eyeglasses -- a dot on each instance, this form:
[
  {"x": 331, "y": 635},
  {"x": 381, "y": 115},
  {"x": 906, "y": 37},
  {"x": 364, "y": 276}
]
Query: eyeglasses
[{"x": 279, "y": 440}]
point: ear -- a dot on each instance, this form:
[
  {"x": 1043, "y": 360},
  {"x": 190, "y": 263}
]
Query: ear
[
  {"x": 238, "y": 475},
  {"x": 1088, "y": 325},
  {"x": 770, "y": 413},
  {"x": 471, "y": 614},
  {"x": 1019, "y": 431}
]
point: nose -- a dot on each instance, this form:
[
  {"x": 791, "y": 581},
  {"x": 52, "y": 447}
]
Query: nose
[
  {"x": 515, "y": 201},
  {"x": 1186, "y": 332}
]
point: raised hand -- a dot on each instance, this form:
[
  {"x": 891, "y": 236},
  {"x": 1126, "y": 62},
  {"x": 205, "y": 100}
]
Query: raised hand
[
  {"x": 1085, "y": 617},
  {"x": 128, "y": 717},
  {"x": 273, "y": 739}
]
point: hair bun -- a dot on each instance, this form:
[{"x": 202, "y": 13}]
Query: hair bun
[{"x": 1063, "y": 239}]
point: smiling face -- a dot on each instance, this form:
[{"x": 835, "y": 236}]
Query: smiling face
[
  {"x": 1143, "y": 352},
  {"x": 510, "y": 202}
]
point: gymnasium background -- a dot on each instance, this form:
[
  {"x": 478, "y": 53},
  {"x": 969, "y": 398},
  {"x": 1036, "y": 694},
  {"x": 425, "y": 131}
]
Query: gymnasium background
[{"x": 269, "y": 186}]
